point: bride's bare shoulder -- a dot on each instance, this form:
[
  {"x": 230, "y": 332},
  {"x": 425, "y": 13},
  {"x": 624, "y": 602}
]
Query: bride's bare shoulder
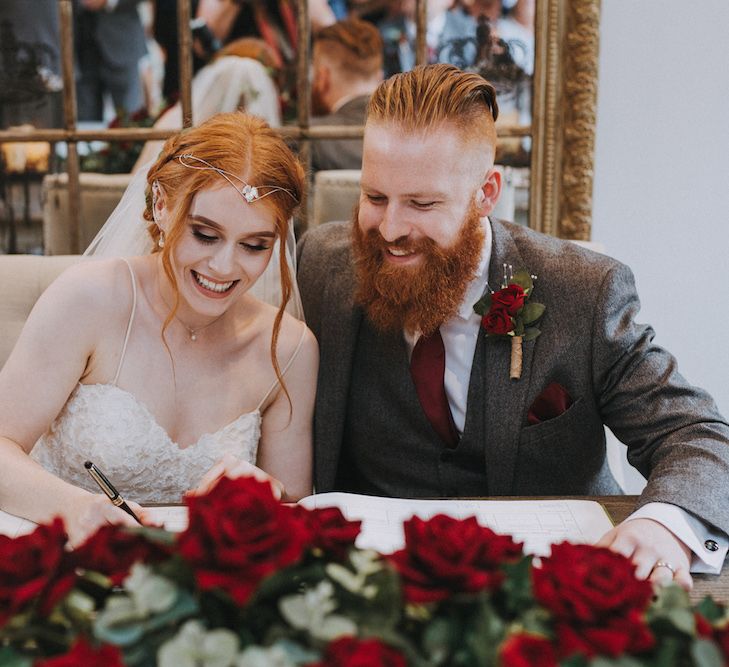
[
  {"x": 293, "y": 333},
  {"x": 92, "y": 285}
]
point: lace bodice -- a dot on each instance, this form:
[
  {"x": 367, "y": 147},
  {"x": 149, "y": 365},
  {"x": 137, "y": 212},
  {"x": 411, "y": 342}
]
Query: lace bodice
[{"x": 109, "y": 426}]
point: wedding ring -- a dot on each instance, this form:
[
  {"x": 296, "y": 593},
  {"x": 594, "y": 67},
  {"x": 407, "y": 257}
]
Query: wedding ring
[{"x": 667, "y": 565}]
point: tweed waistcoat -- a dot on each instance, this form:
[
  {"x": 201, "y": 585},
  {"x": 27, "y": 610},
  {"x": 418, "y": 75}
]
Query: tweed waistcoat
[{"x": 389, "y": 446}]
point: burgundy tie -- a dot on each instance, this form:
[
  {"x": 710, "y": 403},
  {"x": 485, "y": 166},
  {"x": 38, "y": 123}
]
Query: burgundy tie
[{"x": 427, "y": 366}]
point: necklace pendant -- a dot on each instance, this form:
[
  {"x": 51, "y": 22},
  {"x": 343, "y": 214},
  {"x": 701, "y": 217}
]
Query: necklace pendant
[{"x": 193, "y": 337}]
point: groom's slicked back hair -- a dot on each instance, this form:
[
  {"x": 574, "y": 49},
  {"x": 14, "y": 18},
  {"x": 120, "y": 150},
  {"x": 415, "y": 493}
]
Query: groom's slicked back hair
[{"x": 432, "y": 95}]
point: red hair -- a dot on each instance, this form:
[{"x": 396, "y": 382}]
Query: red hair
[{"x": 432, "y": 95}]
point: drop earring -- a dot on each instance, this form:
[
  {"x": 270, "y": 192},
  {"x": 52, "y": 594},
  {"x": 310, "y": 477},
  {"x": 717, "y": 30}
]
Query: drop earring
[{"x": 161, "y": 239}]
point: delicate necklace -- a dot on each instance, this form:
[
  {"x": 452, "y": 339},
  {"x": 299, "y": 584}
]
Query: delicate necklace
[{"x": 194, "y": 332}]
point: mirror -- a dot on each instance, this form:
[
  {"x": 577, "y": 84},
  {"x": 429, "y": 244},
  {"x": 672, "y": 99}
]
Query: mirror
[
  {"x": 565, "y": 107},
  {"x": 559, "y": 142}
]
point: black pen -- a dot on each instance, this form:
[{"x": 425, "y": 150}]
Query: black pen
[{"x": 108, "y": 488}]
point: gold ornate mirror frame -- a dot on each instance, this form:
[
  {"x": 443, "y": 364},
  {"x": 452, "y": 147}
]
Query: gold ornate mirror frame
[{"x": 563, "y": 127}]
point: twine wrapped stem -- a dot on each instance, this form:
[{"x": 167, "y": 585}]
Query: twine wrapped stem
[{"x": 515, "y": 364}]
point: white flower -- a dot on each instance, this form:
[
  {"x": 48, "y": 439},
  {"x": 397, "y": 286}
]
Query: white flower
[
  {"x": 150, "y": 593},
  {"x": 259, "y": 656},
  {"x": 311, "y": 611},
  {"x": 366, "y": 563},
  {"x": 193, "y": 646}
]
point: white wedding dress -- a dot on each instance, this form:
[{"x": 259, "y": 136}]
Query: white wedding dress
[{"x": 111, "y": 427}]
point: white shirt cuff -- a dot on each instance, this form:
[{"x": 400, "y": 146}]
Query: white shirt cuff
[
  {"x": 709, "y": 546},
  {"x": 111, "y": 5}
]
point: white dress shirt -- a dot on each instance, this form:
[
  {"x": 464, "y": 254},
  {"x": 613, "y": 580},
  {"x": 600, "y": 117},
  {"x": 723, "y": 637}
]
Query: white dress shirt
[{"x": 460, "y": 335}]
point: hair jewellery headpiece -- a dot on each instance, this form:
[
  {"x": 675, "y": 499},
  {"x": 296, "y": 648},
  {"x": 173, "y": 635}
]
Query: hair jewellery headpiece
[{"x": 251, "y": 193}]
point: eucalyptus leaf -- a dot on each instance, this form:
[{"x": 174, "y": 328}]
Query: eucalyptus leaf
[
  {"x": 670, "y": 597},
  {"x": 518, "y": 584},
  {"x": 483, "y": 305},
  {"x": 706, "y": 654},
  {"x": 437, "y": 639},
  {"x": 523, "y": 279},
  {"x": 710, "y": 609},
  {"x": 9, "y": 658},
  {"x": 532, "y": 311},
  {"x": 621, "y": 661},
  {"x": 530, "y": 333}
]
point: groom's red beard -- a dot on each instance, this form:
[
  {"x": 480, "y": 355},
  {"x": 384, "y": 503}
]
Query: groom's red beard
[{"x": 419, "y": 297}]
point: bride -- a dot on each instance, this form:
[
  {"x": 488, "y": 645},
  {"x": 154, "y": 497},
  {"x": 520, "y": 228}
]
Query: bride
[{"x": 164, "y": 369}]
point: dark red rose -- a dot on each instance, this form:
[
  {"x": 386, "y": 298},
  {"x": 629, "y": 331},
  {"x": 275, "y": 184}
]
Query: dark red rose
[
  {"x": 497, "y": 321},
  {"x": 616, "y": 637},
  {"x": 444, "y": 556},
  {"x": 525, "y": 650},
  {"x": 352, "y": 652},
  {"x": 112, "y": 550},
  {"x": 238, "y": 534},
  {"x": 331, "y": 532},
  {"x": 703, "y": 627},
  {"x": 34, "y": 568},
  {"x": 597, "y": 602},
  {"x": 510, "y": 299},
  {"x": 82, "y": 654}
]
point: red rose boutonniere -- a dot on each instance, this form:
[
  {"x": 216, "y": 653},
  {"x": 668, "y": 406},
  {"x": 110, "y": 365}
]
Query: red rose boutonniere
[{"x": 509, "y": 312}]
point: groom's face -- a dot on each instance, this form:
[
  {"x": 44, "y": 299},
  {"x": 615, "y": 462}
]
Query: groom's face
[{"x": 419, "y": 227}]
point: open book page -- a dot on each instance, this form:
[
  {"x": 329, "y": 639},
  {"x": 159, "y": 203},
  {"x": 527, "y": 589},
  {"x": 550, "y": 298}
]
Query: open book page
[
  {"x": 173, "y": 518},
  {"x": 537, "y": 523}
]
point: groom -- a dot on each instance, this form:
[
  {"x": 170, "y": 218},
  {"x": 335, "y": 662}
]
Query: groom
[{"x": 415, "y": 400}]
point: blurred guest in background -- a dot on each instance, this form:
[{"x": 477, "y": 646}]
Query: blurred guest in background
[
  {"x": 451, "y": 36},
  {"x": 109, "y": 45},
  {"x": 219, "y": 22},
  {"x": 229, "y": 83},
  {"x": 30, "y": 65},
  {"x": 347, "y": 67}
]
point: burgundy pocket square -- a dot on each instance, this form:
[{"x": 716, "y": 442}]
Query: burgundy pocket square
[{"x": 551, "y": 403}]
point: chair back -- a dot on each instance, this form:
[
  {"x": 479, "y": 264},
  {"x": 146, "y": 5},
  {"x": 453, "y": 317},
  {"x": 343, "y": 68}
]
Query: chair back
[
  {"x": 23, "y": 279},
  {"x": 100, "y": 193}
]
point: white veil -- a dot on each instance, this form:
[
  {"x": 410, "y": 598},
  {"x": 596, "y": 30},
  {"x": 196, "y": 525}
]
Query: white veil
[{"x": 125, "y": 234}]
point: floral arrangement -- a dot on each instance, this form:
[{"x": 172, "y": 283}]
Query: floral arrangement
[
  {"x": 510, "y": 313},
  {"x": 252, "y": 582}
]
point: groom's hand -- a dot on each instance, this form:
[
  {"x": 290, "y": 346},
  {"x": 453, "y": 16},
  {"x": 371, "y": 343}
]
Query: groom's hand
[
  {"x": 230, "y": 466},
  {"x": 657, "y": 553}
]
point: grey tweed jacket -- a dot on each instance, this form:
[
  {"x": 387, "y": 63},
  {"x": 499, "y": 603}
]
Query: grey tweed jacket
[{"x": 590, "y": 344}]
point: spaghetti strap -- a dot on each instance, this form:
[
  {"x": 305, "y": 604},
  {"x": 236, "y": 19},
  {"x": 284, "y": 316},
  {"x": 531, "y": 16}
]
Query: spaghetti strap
[
  {"x": 131, "y": 320},
  {"x": 284, "y": 369}
]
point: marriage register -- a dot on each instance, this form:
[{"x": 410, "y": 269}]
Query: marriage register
[{"x": 537, "y": 523}]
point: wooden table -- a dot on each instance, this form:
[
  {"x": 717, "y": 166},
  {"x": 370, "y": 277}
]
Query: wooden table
[{"x": 620, "y": 507}]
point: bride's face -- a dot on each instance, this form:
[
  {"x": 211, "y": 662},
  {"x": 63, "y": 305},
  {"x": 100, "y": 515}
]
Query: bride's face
[{"x": 224, "y": 248}]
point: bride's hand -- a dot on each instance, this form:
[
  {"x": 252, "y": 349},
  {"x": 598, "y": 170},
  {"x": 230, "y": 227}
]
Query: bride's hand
[
  {"x": 230, "y": 466},
  {"x": 96, "y": 511}
]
